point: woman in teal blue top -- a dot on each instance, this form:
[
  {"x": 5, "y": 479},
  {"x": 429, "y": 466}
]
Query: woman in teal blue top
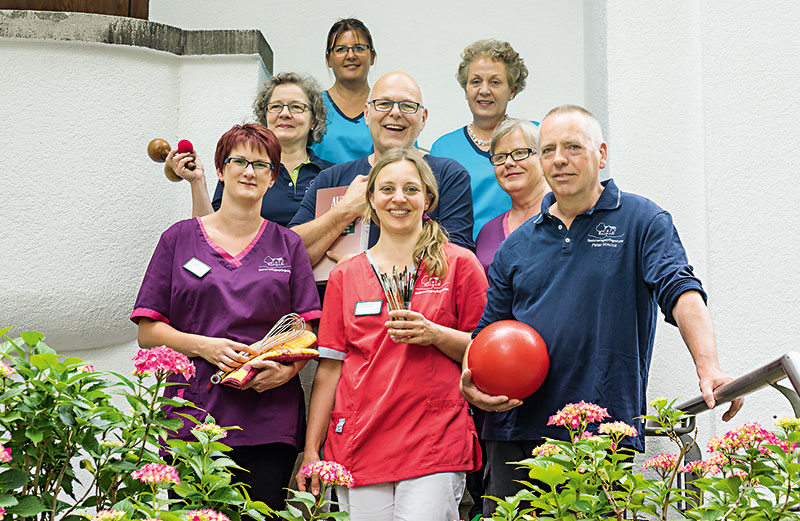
[
  {"x": 349, "y": 54},
  {"x": 491, "y": 73}
]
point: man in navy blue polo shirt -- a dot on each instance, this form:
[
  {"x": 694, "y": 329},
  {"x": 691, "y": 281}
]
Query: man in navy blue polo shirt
[
  {"x": 395, "y": 117},
  {"x": 589, "y": 274}
]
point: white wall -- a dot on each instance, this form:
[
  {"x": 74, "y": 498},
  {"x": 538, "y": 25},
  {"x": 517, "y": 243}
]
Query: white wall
[
  {"x": 701, "y": 112},
  {"x": 422, "y": 37},
  {"x": 83, "y": 206}
]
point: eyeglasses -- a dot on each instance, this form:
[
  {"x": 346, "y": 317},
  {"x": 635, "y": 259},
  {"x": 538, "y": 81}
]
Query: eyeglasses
[
  {"x": 294, "y": 108},
  {"x": 240, "y": 163},
  {"x": 385, "y": 105},
  {"x": 341, "y": 50},
  {"x": 517, "y": 154}
]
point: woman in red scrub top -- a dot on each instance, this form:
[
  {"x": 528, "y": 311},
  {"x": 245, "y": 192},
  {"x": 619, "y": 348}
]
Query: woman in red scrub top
[
  {"x": 385, "y": 398},
  {"x": 217, "y": 284}
]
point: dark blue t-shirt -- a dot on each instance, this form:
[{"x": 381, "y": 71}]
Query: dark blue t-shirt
[
  {"x": 592, "y": 291},
  {"x": 453, "y": 212},
  {"x": 282, "y": 200}
]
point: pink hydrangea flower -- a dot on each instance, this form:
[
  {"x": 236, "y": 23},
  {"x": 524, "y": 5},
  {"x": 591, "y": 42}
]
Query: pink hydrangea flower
[
  {"x": 206, "y": 514},
  {"x": 330, "y": 472},
  {"x": 88, "y": 368},
  {"x": 546, "y": 449},
  {"x": 2, "y": 514},
  {"x": 701, "y": 467},
  {"x": 164, "y": 360},
  {"x": 665, "y": 462},
  {"x": 211, "y": 428},
  {"x": 156, "y": 473},
  {"x": 576, "y": 415},
  {"x": 747, "y": 436},
  {"x": 5, "y": 454},
  {"x": 617, "y": 429},
  {"x": 108, "y": 515},
  {"x": 6, "y": 370}
]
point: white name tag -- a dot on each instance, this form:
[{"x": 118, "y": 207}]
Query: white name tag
[
  {"x": 368, "y": 307},
  {"x": 197, "y": 267}
]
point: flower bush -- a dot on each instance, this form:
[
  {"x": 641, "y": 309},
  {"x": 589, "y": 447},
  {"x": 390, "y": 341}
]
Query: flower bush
[
  {"x": 750, "y": 473},
  {"x": 68, "y": 453}
]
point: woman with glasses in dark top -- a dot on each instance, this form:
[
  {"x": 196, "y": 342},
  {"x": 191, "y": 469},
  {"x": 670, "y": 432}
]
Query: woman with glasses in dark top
[
  {"x": 292, "y": 107},
  {"x": 349, "y": 54}
]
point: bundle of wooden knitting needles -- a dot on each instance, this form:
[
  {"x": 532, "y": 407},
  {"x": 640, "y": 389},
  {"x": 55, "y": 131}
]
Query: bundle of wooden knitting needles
[{"x": 398, "y": 287}]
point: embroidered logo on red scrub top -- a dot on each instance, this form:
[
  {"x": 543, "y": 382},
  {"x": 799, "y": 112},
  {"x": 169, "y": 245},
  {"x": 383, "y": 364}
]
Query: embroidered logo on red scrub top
[
  {"x": 275, "y": 264},
  {"x": 428, "y": 284}
]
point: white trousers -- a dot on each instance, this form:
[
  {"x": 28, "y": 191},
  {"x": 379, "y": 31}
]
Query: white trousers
[{"x": 434, "y": 497}]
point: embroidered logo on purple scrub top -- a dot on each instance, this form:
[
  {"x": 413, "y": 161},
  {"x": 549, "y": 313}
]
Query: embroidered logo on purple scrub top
[{"x": 275, "y": 264}]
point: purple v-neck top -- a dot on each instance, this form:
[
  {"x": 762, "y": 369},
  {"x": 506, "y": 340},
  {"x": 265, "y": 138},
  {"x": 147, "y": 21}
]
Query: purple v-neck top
[
  {"x": 489, "y": 238},
  {"x": 240, "y": 298}
]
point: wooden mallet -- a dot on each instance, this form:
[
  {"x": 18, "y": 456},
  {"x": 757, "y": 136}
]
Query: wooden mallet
[{"x": 158, "y": 149}]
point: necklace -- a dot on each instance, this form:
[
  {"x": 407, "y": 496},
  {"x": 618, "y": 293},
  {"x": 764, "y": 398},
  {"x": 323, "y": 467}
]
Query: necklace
[{"x": 479, "y": 142}]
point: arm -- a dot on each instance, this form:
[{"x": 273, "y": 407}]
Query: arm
[
  {"x": 318, "y": 234},
  {"x": 694, "y": 322},
  {"x": 411, "y": 327},
  {"x": 201, "y": 204},
  {"x": 220, "y": 352},
  {"x": 323, "y": 393}
]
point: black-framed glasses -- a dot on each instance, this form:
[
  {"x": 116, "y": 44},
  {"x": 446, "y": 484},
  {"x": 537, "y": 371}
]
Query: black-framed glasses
[
  {"x": 240, "y": 163},
  {"x": 385, "y": 105},
  {"x": 518, "y": 154},
  {"x": 341, "y": 50},
  {"x": 294, "y": 108}
]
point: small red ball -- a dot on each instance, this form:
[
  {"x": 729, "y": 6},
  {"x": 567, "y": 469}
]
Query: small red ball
[
  {"x": 508, "y": 358},
  {"x": 184, "y": 145}
]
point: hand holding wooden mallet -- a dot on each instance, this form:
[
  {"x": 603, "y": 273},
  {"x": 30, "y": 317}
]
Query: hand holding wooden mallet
[{"x": 158, "y": 149}]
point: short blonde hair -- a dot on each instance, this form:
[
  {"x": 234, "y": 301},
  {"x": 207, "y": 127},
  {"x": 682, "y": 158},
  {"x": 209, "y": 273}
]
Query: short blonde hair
[{"x": 498, "y": 51}]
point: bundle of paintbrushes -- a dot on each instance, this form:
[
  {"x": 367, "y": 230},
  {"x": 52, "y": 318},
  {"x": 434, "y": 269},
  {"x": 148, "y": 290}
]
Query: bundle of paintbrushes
[{"x": 398, "y": 287}]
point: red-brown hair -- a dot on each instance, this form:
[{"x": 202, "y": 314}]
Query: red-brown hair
[{"x": 257, "y": 136}]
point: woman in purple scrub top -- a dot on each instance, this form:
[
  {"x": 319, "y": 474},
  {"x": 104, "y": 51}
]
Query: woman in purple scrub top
[
  {"x": 513, "y": 152},
  {"x": 217, "y": 284}
]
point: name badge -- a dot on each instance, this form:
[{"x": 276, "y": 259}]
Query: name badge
[
  {"x": 197, "y": 267},
  {"x": 368, "y": 307}
]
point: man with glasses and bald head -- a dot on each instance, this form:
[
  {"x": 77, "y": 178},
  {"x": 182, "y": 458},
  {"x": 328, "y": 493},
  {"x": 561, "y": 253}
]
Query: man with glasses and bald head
[{"x": 395, "y": 117}]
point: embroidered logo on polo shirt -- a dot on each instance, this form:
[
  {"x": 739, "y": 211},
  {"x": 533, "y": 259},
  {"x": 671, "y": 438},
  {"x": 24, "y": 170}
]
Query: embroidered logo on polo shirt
[
  {"x": 275, "y": 264},
  {"x": 428, "y": 284},
  {"x": 606, "y": 236}
]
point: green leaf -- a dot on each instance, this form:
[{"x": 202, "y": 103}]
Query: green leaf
[
  {"x": 13, "y": 479},
  {"x": 34, "y": 435},
  {"x": 552, "y": 475},
  {"x": 7, "y": 500},
  {"x": 337, "y": 515},
  {"x": 27, "y": 506},
  {"x": 41, "y": 347},
  {"x": 31, "y": 338}
]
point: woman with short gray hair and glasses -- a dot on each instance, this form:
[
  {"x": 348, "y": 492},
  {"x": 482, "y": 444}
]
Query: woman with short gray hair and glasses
[{"x": 292, "y": 107}]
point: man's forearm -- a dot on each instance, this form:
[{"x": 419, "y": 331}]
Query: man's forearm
[
  {"x": 319, "y": 234},
  {"x": 694, "y": 322}
]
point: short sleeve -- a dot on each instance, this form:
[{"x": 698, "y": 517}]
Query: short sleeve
[
  {"x": 331, "y": 340},
  {"x": 155, "y": 292},
  {"x": 305, "y": 298},
  {"x": 499, "y": 296},
  {"x": 308, "y": 206},
  {"x": 216, "y": 201},
  {"x": 665, "y": 267},
  {"x": 454, "y": 210},
  {"x": 471, "y": 287}
]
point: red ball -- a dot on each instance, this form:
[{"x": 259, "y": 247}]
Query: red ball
[
  {"x": 508, "y": 358},
  {"x": 184, "y": 145}
]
